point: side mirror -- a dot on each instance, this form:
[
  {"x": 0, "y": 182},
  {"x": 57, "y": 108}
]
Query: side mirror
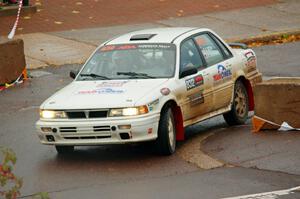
[
  {"x": 73, "y": 73},
  {"x": 189, "y": 70}
]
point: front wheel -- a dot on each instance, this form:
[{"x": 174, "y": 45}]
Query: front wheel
[
  {"x": 64, "y": 149},
  {"x": 166, "y": 141},
  {"x": 239, "y": 109}
]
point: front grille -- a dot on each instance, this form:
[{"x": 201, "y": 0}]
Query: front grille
[
  {"x": 68, "y": 129},
  {"x": 76, "y": 115},
  {"x": 97, "y": 114},
  {"x": 101, "y": 128},
  {"x": 86, "y": 114},
  {"x": 84, "y": 130},
  {"x": 86, "y": 133},
  {"x": 87, "y": 137}
]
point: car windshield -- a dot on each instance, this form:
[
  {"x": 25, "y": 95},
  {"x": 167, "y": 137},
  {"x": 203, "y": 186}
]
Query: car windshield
[{"x": 131, "y": 61}]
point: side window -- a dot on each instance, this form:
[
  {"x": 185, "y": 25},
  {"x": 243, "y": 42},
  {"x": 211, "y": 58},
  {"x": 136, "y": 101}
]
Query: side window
[
  {"x": 223, "y": 47},
  {"x": 189, "y": 55},
  {"x": 209, "y": 49}
]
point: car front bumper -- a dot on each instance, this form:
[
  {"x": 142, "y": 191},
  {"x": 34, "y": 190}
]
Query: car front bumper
[{"x": 98, "y": 132}]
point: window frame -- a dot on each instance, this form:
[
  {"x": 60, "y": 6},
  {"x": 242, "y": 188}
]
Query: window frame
[
  {"x": 197, "y": 48},
  {"x": 213, "y": 37},
  {"x": 218, "y": 42},
  {"x": 218, "y": 47}
]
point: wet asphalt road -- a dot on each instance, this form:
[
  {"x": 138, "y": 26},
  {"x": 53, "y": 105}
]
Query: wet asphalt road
[
  {"x": 267, "y": 150},
  {"x": 135, "y": 171}
]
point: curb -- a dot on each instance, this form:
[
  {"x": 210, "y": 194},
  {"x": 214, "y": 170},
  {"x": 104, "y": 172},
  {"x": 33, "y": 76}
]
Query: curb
[
  {"x": 265, "y": 37},
  {"x": 192, "y": 153}
]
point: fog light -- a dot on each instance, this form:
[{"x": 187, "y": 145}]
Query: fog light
[
  {"x": 124, "y": 136},
  {"x": 50, "y": 138},
  {"x": 122, "y": 127},
  {"x": 46, "y": 129}
]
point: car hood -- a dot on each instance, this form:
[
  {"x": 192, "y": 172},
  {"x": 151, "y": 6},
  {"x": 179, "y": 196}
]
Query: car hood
[{"x": 101, "y": 94}]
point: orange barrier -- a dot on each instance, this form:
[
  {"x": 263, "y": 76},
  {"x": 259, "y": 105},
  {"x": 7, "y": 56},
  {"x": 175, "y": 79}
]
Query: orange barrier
[
  {"x": 259, "y": 123},
  {"x": 19, "y": 80},
  {"x": 24, "y": 73}
]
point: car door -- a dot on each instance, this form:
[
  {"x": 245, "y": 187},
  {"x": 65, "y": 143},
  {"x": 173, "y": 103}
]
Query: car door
[
  {"x": 219, "y": 62},
  {"x": 198, "y": 87}
]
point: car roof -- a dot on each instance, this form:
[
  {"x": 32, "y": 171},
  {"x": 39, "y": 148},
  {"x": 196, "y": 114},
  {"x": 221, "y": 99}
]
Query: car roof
[{"x": 156, "y": 35}]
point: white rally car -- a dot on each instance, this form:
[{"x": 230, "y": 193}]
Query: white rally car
[{"x": 147, "y": 86}]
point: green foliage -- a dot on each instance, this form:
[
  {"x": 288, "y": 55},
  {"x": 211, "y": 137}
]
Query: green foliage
[
  {"x": 10, "y": 185},
  {"x": 285, "y": 36},
  {"x": 41, "y": 195}
]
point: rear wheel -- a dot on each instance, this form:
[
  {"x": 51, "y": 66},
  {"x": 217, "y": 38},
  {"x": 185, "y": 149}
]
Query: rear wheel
[
  {"x": 166, "y": 141},
  {"x": 239, "y": 109},
  {"x": 64, "y": 149}
]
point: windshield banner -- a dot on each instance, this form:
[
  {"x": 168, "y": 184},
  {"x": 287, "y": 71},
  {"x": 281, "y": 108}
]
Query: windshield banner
[{"x": 136, "y": 46}]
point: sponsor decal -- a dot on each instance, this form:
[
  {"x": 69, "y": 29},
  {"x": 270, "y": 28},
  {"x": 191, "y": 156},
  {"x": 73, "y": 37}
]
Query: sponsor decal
[
  {"x": 126, "y": 47},
  {"x": 194, "y": 82},
  {"x": 201, "y": 41},
  {"x": 109, "y": 91},
  {"x": 249, "y": 55},
  {"x": 135, "y": 46},
  {"x": 107, "y": 48},
  {"x": 251, "y": 62},
  {"x": 251, "y": 65},
  {"x": 164, "y": 46},
  {"x": 117, "y": 47},
  {"x": 196, "y": 99},
  {"x": 102, "y": 91},
  {"x": 222, "y": 74},
  {"x": 111, "y": 84}
]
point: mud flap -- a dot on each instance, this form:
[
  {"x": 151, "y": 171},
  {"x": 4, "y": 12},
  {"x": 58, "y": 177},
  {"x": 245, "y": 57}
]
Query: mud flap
[{"x": 179, "y": 123}]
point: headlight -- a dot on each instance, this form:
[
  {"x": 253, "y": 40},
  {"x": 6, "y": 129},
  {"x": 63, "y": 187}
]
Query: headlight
[
  {"x": 131, "y": 111},
  {"x": 47, "y": 114}
]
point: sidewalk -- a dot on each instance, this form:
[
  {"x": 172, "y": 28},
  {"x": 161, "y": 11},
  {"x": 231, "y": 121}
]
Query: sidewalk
[{"x": 70, "y": 47}]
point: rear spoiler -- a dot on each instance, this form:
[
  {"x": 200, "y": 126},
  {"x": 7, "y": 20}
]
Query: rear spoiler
[{"x": 238, "y": 45}]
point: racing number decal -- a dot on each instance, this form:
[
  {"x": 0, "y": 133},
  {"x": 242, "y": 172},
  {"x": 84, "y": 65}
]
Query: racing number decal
[{"x": 194, "y": 82}]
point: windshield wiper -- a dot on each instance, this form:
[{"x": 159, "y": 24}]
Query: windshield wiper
[
  {"x": 134, "y": 74},
  {"x": 93, "y": 75}
]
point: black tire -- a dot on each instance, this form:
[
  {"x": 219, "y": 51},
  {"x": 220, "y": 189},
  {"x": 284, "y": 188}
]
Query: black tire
[
  {"x": 166, "y": 141},
  {"x": 64, "y": 149},
  {"x": 240, "y": 106}
]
